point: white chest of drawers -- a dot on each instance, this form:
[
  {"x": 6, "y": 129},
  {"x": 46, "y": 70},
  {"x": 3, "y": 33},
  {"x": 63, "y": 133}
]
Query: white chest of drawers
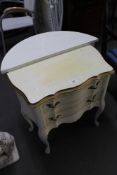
[{"x": 60, "y": 89}]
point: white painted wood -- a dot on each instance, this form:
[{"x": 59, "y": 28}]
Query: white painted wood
[
  {"x": 66, "y": 106},
  {"x": 102, "y": 91},
  {"x": 60, "y": 89},
  {"x": 61, "y": 72},
  {"x": 43, "y": 46}
]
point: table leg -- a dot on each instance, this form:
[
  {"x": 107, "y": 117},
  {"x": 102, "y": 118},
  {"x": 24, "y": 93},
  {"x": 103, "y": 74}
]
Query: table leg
[
  {"x": 31, "y": 127},
  {"x": 44, "y": 138},
  {"x": 98, "y": 113}
]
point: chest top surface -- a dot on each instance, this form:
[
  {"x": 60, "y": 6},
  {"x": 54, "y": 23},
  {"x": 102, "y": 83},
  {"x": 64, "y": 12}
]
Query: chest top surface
[
  {"x": 63, "y": 71},
  {"x": 43, "y": 46}
]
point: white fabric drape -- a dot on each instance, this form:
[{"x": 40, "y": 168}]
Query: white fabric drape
[
  {"x": 48, "y": 15},
  {"x": 29, "y": 4}
]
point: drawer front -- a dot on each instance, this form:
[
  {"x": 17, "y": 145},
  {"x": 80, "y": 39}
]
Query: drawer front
[{"x": 67, "y": 103}]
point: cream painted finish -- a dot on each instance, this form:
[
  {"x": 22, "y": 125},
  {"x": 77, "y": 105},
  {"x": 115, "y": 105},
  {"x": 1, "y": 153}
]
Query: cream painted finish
[
  {"x": 65, "y": 106},
  {"x": 57, "y": 73},
  {"x": 43, "y": 46},
  {"x": 60, "y": 89}
]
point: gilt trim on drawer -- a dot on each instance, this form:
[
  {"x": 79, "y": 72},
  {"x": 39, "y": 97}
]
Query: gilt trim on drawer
[{"x": 83, "y": 85}]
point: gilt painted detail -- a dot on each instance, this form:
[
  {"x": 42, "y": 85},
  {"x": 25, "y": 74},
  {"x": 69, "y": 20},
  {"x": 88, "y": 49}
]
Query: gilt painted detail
[{"x": 60, "y": 89}]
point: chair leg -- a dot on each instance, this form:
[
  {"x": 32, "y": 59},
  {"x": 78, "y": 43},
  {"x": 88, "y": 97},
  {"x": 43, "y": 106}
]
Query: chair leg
[{"x": 3, "y": 41}]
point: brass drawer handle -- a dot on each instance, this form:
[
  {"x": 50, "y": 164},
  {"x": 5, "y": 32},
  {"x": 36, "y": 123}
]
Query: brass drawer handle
[
  {"x": 55, "y": 118},
  {"x": 51, "y": 105},
  {"x": 92, "y": 99},
  {"x": 92, "y": 87},
  {"x": 52, "y": 118},
  {"x": 95, "y": 86},
  {"x": 97, "y": 83},
  {"x": 58, "y": 102}
]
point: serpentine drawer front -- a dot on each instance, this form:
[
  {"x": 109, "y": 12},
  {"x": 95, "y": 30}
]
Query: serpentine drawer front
[{"x": 59, "y": 89}]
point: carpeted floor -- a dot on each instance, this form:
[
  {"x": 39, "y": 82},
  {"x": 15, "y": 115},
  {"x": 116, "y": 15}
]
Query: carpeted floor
[{"x": 79, "y": 148}]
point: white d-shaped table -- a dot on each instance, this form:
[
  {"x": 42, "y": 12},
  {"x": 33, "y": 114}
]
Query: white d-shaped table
[{"x": 57, "y": 76}]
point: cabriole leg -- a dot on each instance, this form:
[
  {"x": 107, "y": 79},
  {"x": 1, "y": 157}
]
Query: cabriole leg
[
  {"x": 44, "y": 138},
  {"x": 31, "y": 126},
  {"x": 98, "y": 113}
]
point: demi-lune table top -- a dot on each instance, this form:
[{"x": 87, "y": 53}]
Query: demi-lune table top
[
  {"x": 60, "y": 89},
  {"x": 72, "y": 61},
  {"x": 43, "y": 46},
  {"x": 58, "y": 73}
]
